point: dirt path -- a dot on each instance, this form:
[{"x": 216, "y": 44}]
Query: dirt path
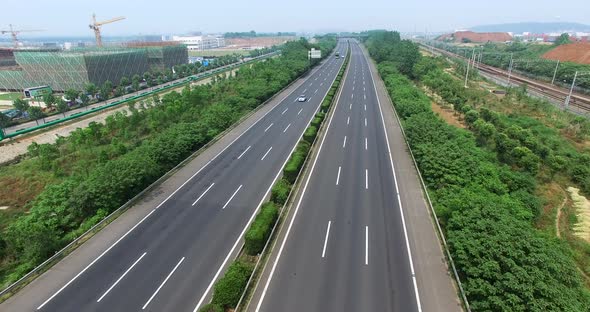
[{"x": 559, "y": 210}]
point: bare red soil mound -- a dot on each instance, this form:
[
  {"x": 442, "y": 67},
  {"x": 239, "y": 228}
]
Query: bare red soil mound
[
  {"x": 470, "y": 36},
  {"x": 573, "y": 52}
]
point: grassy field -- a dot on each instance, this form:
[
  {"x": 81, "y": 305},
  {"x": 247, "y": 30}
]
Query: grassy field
[
  {"x": 11, "y": 96},
  {"x": 217, "y": 52}
]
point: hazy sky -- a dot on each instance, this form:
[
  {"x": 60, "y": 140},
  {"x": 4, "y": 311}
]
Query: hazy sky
[{"x": 59, "y": 17}]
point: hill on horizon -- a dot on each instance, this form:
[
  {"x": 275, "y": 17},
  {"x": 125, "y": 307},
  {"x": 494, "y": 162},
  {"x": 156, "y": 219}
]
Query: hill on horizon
[{"x": 533, "y": 27}]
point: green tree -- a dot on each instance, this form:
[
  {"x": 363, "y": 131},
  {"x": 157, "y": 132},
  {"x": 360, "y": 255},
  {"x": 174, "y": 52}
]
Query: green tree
[
  {"x": 105, "y": 90},
  {"x": 71, "y": 95},
  {"x": 36, "y": 113},
  {"x": 562, "y": 39},
  {"x": 21, "y": 105},
  {"x": 91, "y": 89},
  {"x": 124, "y": 81},
  {"x": 84, "y": 99},
  {"x": 62, "y": 106},
  {"x": 49, "y": 100},
  {"x": 135, "y": 82},
  {"x": 4, "y": 122}
]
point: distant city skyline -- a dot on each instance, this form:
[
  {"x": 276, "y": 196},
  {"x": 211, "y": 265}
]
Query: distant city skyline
[{"x": 61, "y": 18}]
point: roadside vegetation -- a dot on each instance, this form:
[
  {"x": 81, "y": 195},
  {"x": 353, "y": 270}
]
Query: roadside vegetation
[
  {"x": 60, "y": 190},
  {"x": 485, "y": 182}
]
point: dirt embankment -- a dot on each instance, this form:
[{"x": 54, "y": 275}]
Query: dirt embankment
[{"x": 573, "y": 52}]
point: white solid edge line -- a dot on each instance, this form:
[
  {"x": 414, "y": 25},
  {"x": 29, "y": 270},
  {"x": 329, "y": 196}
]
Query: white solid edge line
[
  {"x": 232, "y": 196},
  {"x": 326, "y": 239},
  {"x": 244, "y": 152},
  {"x": 263, "y": 157},
  {"x": 268, "y": 127},
  {"x": 419, "y": 305},
  {"x": 289, "y": 125},
  {"x": 162, "y": 285},
  {"x": 344, "y": 143},
  {"x": 169, "y": 196},
  {"x": 297, "y": 207},
  {"x": 255, "y": 211},
  {"x": 120, "y": 278},
  {"x": 94, "y": 261},
  {"x": 366, "y": 179},
  {"x": 205, "y": 192},
  {"x": 338, "y": 176},
  {"x": 366, "y": 245},
  {"x": 286, "y": 109}
]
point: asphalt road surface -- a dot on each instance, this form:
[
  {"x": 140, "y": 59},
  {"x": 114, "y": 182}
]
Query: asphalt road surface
[
  {"x": 346, "y": 248},
  {"x": 169, "y": 260}
]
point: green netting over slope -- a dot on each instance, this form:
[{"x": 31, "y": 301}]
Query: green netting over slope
[
  {"x": 13, "y": 80},
  {"x": 73, "y": 69}
]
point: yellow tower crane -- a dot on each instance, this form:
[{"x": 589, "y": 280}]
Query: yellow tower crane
[
  {"x": 96, "y": 27},
  {"x": 14, "y": 32}
]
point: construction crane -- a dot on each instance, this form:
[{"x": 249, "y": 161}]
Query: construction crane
[
  {"x": 96, "y": 27},
  {"x": 14, "y": 32}
]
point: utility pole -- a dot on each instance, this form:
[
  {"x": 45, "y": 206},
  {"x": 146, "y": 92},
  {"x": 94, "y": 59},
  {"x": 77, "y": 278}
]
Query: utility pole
[
  {"x": 468, "y": 63},
  {"x": 510, "y": 69},
  {"x": 555, "y": 72},
  {"x": 567, "y": 99}
]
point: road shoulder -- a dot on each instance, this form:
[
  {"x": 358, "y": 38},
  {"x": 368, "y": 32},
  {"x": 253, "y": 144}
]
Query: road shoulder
[{"x": 435, "y": 285}]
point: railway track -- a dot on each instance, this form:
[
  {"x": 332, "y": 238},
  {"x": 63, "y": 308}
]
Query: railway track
[{"x": 581, "y": 102}]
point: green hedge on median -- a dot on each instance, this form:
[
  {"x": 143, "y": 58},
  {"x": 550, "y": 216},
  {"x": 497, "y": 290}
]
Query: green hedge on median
[
  {"x": 280, "y": 192},
  {"x": 310, "y": 134},
  {"x": 211, "y": 307},
  {"x": 295, "y": 163},
  {"x": 260, "y": 229},
  {"x": 228, "y": 289}
]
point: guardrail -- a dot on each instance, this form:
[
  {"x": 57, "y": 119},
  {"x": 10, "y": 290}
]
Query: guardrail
[{"x": 152, "y": 91}]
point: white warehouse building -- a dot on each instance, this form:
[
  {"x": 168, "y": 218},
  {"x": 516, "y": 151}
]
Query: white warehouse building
[{"x": 200, "y": 42}]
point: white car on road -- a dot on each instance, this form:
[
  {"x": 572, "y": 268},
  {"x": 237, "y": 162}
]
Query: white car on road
[{"x": 301, "y": 98}]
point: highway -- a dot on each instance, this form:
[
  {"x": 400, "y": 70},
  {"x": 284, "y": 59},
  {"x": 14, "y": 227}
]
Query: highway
[
  {"x": 170, "y": 259},
  {"x": 346, "y": 246}
]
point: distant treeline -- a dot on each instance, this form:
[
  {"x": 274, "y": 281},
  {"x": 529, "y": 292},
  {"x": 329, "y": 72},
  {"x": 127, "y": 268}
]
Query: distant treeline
[{"x": 253, "y": 34}]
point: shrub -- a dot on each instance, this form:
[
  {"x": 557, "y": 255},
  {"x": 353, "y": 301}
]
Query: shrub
[
  {"x": 310, "y": 134},
  {"x": 211, "y": 307},
  {"x": 280, "y": 192},
  {"x": 296, "y": 161},
  {"x": 260, "y": 229},
  {"x": 228, "y": 289}
]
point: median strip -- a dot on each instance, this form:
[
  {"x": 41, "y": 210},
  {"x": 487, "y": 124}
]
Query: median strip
[{"x": 263, "y": 228}]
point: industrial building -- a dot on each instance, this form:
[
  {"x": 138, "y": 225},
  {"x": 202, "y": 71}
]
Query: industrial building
[
  {"x": 200, "y": 43},
  {"x": 62, "y": 70}
]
